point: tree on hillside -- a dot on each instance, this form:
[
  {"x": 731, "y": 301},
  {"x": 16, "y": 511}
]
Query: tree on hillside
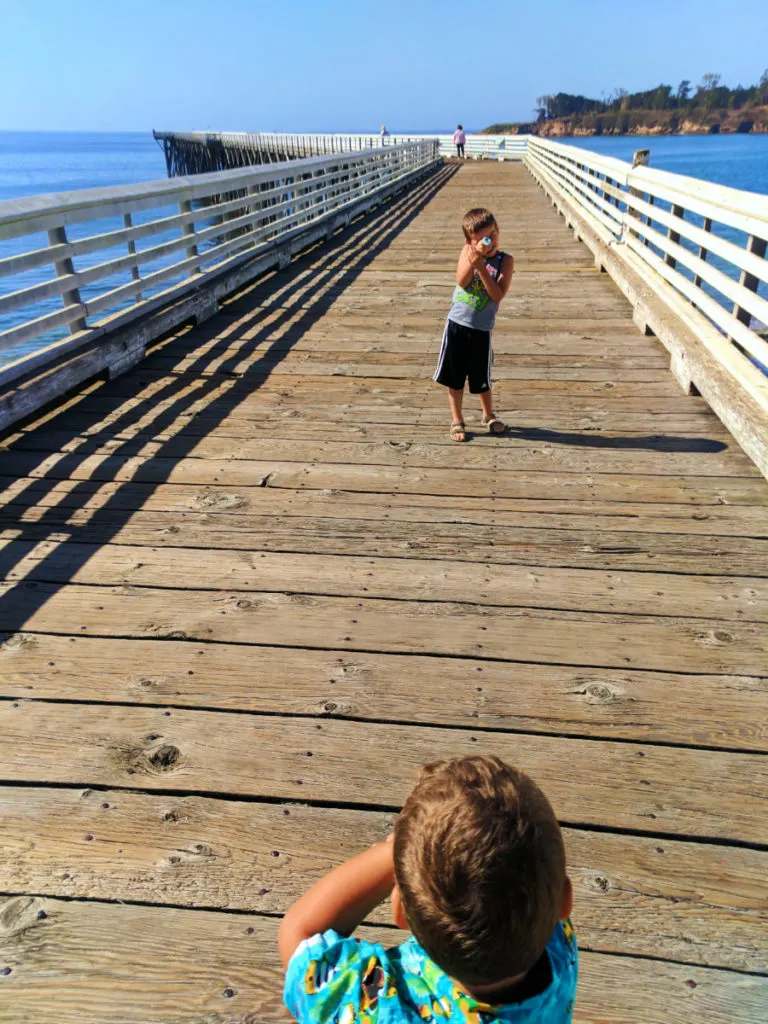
[
  {"x": 763, "y": 87},
  {"x": 709, "y": 82},
  {"x": 683, "y": 91}
]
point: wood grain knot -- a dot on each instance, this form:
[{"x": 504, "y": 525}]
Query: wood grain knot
[
  {"x": 600, "y": 692},
  {"x": 165, "y": 757},
  {"x": 18, "y": 915}
]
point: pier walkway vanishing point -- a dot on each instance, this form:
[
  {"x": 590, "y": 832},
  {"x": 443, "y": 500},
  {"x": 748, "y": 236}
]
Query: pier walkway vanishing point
[{"x": 251, "y": 584}]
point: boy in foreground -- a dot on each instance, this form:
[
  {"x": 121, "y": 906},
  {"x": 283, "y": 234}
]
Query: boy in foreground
[
  {"x": 476, "y": 870},
  {"x": 483, "y": 277}
]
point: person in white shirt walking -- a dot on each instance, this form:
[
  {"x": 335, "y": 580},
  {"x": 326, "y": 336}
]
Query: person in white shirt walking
[{"x": 459, "y": 138}]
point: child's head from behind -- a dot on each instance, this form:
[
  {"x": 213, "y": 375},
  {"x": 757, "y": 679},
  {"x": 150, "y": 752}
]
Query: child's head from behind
[{"x": 480, "y": 868}]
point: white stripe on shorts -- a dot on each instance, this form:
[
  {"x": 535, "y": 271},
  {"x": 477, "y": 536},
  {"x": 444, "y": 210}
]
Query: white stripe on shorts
[{"x": 441, "y": 357}]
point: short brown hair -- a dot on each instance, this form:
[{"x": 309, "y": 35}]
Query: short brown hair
[
  {"x": 478, "y": 219},
  {"x": 480, "y": 863}
]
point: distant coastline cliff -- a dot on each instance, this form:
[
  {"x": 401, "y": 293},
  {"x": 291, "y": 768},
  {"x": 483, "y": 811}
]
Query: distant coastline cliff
[
  {"x": 750, "y": 120},
  {"x": 709, "y": 109}
]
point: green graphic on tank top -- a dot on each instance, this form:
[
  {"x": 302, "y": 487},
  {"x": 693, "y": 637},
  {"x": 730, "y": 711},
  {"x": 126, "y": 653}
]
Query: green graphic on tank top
[{"x": 475, "y": 296}]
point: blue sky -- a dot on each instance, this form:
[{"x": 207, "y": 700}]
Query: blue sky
[{"x": 328, "y": 65}]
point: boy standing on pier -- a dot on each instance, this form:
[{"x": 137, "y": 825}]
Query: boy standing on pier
[
  {"x": 483, "y": 277},
  {"x": 476, "y": 871}
]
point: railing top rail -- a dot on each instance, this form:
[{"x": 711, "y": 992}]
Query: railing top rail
[
  {"x": 37, "y": 213},
  {"x": 724, "y": 197},
  {"x": 651, "y": 179},
  {"x": 616, "y": 169}
]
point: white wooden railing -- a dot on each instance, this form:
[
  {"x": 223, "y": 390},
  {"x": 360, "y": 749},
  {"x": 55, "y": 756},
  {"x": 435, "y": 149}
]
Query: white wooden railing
[
  {"x": 699, "y": 247},
  {"x": 488, "y": 147},
  {"x": 90, "y": 261},
  {"x": 477, "y": 147}
]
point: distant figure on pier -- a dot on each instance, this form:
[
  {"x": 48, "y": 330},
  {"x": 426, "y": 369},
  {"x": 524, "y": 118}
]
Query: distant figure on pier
[
  {"x": 384, "y": 134},
  {"x": 476, "y": 869},
  {"x": 483, "y": 277},
  {"x": 459, "y": 138}
]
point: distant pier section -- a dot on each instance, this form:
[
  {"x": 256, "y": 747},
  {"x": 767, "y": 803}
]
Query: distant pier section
[{"x": 203, "y": 152}]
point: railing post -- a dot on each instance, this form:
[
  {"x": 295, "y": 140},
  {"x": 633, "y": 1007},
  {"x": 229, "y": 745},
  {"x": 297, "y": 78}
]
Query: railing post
[
  {"x": 640, "y": 158},
  {"x": 702, "y": 251},
  {"x": 674, "y": 236},
  {"x": 136, "y": 276},
  {"x": 58, "y": 236},
  {"x": 757, "y": 246},
  {"x": 648, "y": 220},
  {"x": 185, "y": 206},
  {"x": 250, "y": 193}
]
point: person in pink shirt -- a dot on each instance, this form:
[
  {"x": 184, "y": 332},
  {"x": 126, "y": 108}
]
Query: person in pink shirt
[{"x": 459, "y": 138}]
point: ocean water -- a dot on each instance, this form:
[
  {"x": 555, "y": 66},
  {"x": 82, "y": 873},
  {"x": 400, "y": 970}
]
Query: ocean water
[
  {"x": 36, "y": 162},
  {"x": 32, "y": 163}
]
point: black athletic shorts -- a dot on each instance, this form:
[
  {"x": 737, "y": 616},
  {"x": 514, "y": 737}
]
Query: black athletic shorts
[{"x": 464, "y": 353}]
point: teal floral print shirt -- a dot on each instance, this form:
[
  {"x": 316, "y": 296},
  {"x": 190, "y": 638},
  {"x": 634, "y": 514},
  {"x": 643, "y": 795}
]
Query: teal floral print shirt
[{"x": 336, "y": 980}]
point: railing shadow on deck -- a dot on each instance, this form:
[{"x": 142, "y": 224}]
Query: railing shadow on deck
[
  {"x": 650, "y": 442},
  {"x": 357, "y": 246}
]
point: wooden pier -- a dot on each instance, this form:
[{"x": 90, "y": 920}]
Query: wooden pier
[{"x": 252, "y": 584}]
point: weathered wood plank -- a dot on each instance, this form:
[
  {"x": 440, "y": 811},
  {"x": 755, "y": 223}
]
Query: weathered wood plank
[
  {"x": 476, "y": 694},
  {"x": 148, "y": 405},
  {"x": 598, "y": 395},
  {"x": 570, "y": 349},
  {"x": 207, "y": 965},
  {"x": 721, "y": 598},
  {"x": 547, "y": 456},
  {"x": 651, "y": 381},
  {"x": 708, "y": 522},
  {"x": 523, "y": 483},
  {"x": 295, "y": 529},
  {"x": 689, "y": 902},
  {"x": 657, "y": 789},
  {"x": 395, "y": 423},
  {"x": 451, "y": 629}
]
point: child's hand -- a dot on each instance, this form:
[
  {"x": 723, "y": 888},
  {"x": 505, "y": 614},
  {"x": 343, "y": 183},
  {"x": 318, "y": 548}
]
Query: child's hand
[{"x": 475, "y": 257}]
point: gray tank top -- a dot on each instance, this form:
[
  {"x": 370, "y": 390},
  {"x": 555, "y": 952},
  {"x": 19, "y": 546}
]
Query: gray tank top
[{"x": 472, "y": 306}]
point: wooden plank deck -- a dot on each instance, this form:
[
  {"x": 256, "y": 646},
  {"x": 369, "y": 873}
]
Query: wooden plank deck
[{"x": 252, "y": 585}]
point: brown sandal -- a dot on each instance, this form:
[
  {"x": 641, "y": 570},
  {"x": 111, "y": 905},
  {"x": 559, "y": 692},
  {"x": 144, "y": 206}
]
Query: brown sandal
[
  {"x": 495, "y": 426},
  {"x": 458, "y": 429}
]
